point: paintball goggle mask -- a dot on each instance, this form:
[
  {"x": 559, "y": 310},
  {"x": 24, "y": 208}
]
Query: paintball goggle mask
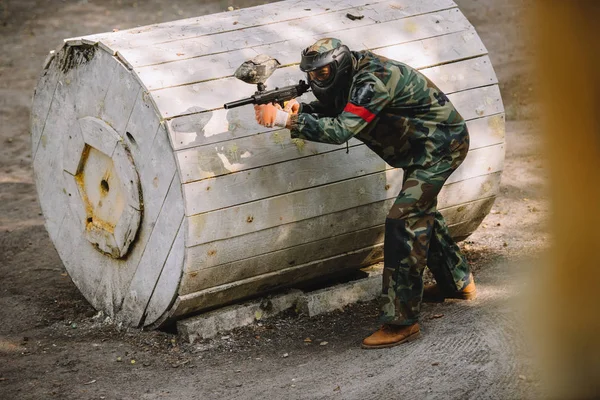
[{"x": 329, "y": 67}]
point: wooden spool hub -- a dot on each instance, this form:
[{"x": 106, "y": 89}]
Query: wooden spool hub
[{"x": 161, "y": 203}]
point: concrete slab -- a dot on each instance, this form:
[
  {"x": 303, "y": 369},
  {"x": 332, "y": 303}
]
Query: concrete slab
[
  {"x": 313, "y": 303},
  {"x": 337, "y": 297},
  {"x": 208, "y": 325}
]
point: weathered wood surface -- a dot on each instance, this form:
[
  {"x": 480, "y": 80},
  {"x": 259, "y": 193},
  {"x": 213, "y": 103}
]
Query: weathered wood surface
[
  {"x": 240, "y": 19},
  {"x": 231, "y": 209},
  {"x": 303, "y": 252},
  {"x": 304, "y": 173},
  {"x": 206, "y": 67},
  {"x": 212, "y": 254},
  {"x": 84, "y": 94}
]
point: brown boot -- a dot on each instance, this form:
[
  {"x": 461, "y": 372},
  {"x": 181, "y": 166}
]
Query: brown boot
[
  {"x": 433, "y": 294},
  {"x": 392, "y": 335}
]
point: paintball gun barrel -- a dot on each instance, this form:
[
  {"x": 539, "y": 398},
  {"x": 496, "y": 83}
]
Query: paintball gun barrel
[{"x": 277, "y": 95}]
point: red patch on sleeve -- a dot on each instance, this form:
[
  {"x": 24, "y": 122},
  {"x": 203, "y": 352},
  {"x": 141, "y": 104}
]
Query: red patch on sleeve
[{"x": 359, "y": 111}]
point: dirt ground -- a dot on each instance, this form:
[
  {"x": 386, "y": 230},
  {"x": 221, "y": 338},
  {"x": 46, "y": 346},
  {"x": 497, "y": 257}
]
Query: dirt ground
[{"x": 54, "y": 345}]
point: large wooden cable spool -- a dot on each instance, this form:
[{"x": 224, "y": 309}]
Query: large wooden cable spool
[{"x": 161, "y": 203}]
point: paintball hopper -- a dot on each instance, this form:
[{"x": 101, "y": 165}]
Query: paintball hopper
[{"x": 257, "y": 70}]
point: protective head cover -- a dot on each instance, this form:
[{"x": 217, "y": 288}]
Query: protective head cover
[{"x": 334, "y": 89}]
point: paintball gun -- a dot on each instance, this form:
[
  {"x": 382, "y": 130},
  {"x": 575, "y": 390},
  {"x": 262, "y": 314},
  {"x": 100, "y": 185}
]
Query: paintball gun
[{"x": 257, "y": 71}]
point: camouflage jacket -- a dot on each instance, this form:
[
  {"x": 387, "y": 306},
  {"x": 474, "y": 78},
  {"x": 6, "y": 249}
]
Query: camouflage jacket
[{"x": 394, "y": 109}]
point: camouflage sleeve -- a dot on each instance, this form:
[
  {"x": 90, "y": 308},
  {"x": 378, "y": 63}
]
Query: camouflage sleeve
[
  {"x": 314, "y": 107},
  {"x": 368, "y": 96}
]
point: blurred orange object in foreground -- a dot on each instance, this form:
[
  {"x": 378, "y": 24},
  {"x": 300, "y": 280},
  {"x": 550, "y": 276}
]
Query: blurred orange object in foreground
[{"x": 568, "y": 56}]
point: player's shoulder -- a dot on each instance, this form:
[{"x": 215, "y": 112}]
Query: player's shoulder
[
  {"x": 371, "y": 66},
  {"x": 369, "y": 61}
]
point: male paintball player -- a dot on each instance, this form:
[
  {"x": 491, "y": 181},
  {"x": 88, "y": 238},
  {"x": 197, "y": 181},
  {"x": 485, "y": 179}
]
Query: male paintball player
[{"x": 405, "y": 119}]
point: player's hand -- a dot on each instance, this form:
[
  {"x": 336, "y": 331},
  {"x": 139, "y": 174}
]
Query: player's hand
[
  {"x": 265, "y": 114},
  {"x": 292, "y": 106},
  {"x": 270, "y": 115}
]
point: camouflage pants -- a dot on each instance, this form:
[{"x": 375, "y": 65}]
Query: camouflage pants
[{"x": 416, "y": 236}]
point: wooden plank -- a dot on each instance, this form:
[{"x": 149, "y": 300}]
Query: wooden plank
[
  {"x": 82, "y": 261},
  {"x": 298, "y": 174},
  {"x": 462, "y": 75},
  {"x": 156, "y": 172},
  {"x": 405, "y": 30},
  {"x": 486, "y": 131},
  {"x": 165, "y": 290},
  {"x": 42, "y": 100},
  {"x": 247, "y": 153},
  {"x": 157, "y": 169},
  {"x": 477, "y": 103},
  {"x": 73, "y": 148},
  {"x": 276, "y": 146},
  {"x": 213, "y": 94},
  {"x": 462, "y": 230},
  {"x": 211, "y": 254},
  {"x": 99, "y": 135},
  {"x": 420, "y": 54},
  {"x": 430, "y": 51},
  {"x": 140, "y": 131},
  {"x": 226, "y": 124},
  {"x": 455, "y": 44},
  {"x": 300, "y": 205},
  {"x": 81, "y": 103},
  {"x": 148, "y": 142},
  {"x": 225, "y": 294},
  {"x": 482, "y": 161},
  {"x": 467, "y": 211},
  {"x": 265, "y": 263},
  {"x": 47, "y": 165},
  {"x": 157, "y": 249},
  {"x": 224, "y": 22},
  {"x": 306, "y": 252},
  {"x": 97, "y": 75},
  {"x": 194, "y": 70},
  {"x": 75, "y": 203},
  {"x": 408, "y": 28},
  {"x": 259, "y": 183},
  {"x": 120, "y": 98},
  {"x": 126, "y": 229},
  {"x": 292, "y": 207}
]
